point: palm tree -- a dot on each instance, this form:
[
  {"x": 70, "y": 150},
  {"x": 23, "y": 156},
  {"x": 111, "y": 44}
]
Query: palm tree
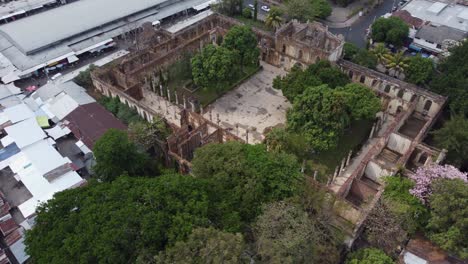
[
  {"x": 274, "y": 18},
  {"x": 380, "y": 51},
  {"x": 397, "y": 62}
]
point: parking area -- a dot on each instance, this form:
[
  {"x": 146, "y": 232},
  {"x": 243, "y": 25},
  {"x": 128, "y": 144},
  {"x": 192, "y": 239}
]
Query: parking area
[{"x": 253, "y": 106}]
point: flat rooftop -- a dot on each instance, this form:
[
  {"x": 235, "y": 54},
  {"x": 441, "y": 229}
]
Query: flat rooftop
[{"x": 439, "y": 13}]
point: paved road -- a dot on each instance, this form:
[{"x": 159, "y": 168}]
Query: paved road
[{"x": 357, "y": 32}]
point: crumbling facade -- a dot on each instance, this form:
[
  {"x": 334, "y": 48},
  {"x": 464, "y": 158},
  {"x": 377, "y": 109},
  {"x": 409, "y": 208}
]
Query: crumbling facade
[{"x": 395, "y": 142}]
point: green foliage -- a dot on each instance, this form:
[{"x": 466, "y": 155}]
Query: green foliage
[
  {"x": 452, "y": 78},
  {"x": 350, "y": 50},
  {"x": 205, "y": 245},
  {"x": 242, "y": 41},
  {"x": 453, "y": 136},
  {"x": 361, "y": 102},
  {"x": 114, "y": 222},
  {"x": 359, "y": 56},
  {"x": 368, "y": 256},
  {"x": 420, "y": 70},
  {"x": 286, "y": 233},
  {"x": 274, "y": 18},
  {"x": 116, "y": 155},
  {"x": 242, "y": 177},
  {"x": 247, "y": 13},
  {"x": 304, "y": 10},
  {"x": 365, "y": 58},
  {"x": 84, "y": 77},
  {"x": 122, "y": 111},
  {"x": 147, "y": 134},
  {"x": 281, "y": 140},
  {"x": 213, "y": 67},
  {"x": 448, "y": 226},
  {"x": 295, "y": 82},
  {"x": 396, "y": 62},
  {"x": 391, "y": 30},
  {"x": 409, "y": 209},
  {"x": 321, "y": 113}
]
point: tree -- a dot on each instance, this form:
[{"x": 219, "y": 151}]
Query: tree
[
  {"x": 295, "y": 82},
  {"x": 380, "y": 51},
  {"x": 350, "y": 50},
  {"x": 148, "y": 134},
  {"x": 396, "y": 62},
  {"x": 383, "y": 229},
  {"x": 281, "y": 140},
  {"x": 247, "y": 13},
  {"x": 274, "y": 18},
  {"x": 368, "y": 256},
  {"x": 213, "y": 67},
  {"x": 426, "y": 175},
  {"x": 408, "y": 210},
  {"x": 419, "y": 70},
  {"x": 242, "y": 40},
  {"x": 362, "y": 103},
  {"x": 285, "y": 233},
  {"x": 452, "y": 77},
  {"x": 365, "y": 58},
  {"x": 114, "y": 222},
  {"x": 391, "y": 30},
  {"x": 448, "y": 225},
  {"x": 320, "y": 115},
  {"x": 304, "y": 10},
  {"x": 453, "y": 136},
  {"x": 84, "y": 77},
  {"x": 205, "y": 245},
  {"x": 116, "y": 155},
  {"x": 242, "y": 177}
]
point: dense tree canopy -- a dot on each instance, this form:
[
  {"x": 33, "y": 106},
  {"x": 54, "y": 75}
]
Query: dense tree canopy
[
  {"x": 213, "y": 66},
  {"x": 453, "y": 136},
  {"x": 391, "y": 30},
  {"x": 114, "y": 222},
  {"x": 285, "y": 233},
  {"x": 448, "y": 226},
  {"x": 409, "y": 210},
  {"x": 116, "y": 155},
  {"x": 452, "y": 78},
  {"x": 304, "y": 10},
  {"x": 242, "y": 177},
  {"x": 205, "y": 246},
  {"x": 242, "y": 41},
  {"x": 420, "y": 70},
  {"x": 368, "y": 256},
  {"x": 321, "y": 113},
  {"x": 295, "y": 82},
  {"x": 147, "y": 134}
]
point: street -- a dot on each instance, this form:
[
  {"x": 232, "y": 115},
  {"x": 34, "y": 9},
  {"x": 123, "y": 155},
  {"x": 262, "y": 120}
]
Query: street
[{"x": 357, "y": 32}]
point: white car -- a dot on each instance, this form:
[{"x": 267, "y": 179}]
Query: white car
[
  {"x": 265, "y": 8},
  {"x": 252, "y": 6}
]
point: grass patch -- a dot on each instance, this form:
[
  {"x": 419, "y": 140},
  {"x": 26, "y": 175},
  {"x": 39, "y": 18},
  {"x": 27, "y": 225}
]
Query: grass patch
[
  {"x": 326, "y": 162},
  {"x": 253, "y": 23}
]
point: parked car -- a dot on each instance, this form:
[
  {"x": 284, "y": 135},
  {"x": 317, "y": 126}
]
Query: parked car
[
  {"x": 265, "y": 8},
  {"x": 252, "y": 6}
]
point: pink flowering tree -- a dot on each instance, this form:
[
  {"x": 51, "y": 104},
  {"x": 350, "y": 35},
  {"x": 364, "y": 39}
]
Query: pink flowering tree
[{"x": 426, "y": 175}]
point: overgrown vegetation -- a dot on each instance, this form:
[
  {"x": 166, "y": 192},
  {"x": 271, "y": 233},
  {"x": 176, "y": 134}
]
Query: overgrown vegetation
[
  {"x": 122, "y": 111},
  {"x": 84, "y": 77},
  {"x": 390, "y": 30}
]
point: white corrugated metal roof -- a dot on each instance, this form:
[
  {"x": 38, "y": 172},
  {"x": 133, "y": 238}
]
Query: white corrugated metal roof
[
  {"x": 25, "y": 132},
  {"x": 62, "y": 105},
  {"x": 18, "y": 113}
]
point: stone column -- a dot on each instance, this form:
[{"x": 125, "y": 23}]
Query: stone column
[
  {"x": 441, "y": 156},
  {"x": 193, "y": 106},
  {"x": 185, "y": 102},
  {"x": 201, "y": 110},
  {"x": 315, "y": 175},
  {"x": 337, "y": 171},
  {"x": 247, "y": 136},
  {"x": 349, "y": 157},
  {"x": 161, "y": 91},
  {"x": 168, "y": 95},
  {"x": 372, "y": 132},
  {"x": 176, "y": 99}
]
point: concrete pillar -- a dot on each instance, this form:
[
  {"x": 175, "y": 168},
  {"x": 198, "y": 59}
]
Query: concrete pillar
[
  {"x": 337, "y": 171},
  {"x": 315, "y": 175},
  {"x": 168, "y": 95},
  {"x": 176, "y": 99},
  {"x": 185, "y": 102},
  {"x": 161, "y": 91},
  {"x": 193, "y": 106},
  {"x": 247, "y": 136},
  {"x": 342, "y": 166},
  {"x": 371, "y": 135},
  {"x": 441, "y": 156},
  {"x": 217, "y": 119},
  {"x": 349, "y": 157},
  {"x": 167, "y": 107},
  {"x": 303, "y": 166},
  {"x": 201, "y": 109}
]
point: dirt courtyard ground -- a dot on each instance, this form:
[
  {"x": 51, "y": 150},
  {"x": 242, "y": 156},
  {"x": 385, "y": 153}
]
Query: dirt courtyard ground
[{"x": 254, "y": 105}]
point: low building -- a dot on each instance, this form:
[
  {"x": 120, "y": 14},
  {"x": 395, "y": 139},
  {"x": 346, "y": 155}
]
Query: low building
[{"x": 438, "y": 39}]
